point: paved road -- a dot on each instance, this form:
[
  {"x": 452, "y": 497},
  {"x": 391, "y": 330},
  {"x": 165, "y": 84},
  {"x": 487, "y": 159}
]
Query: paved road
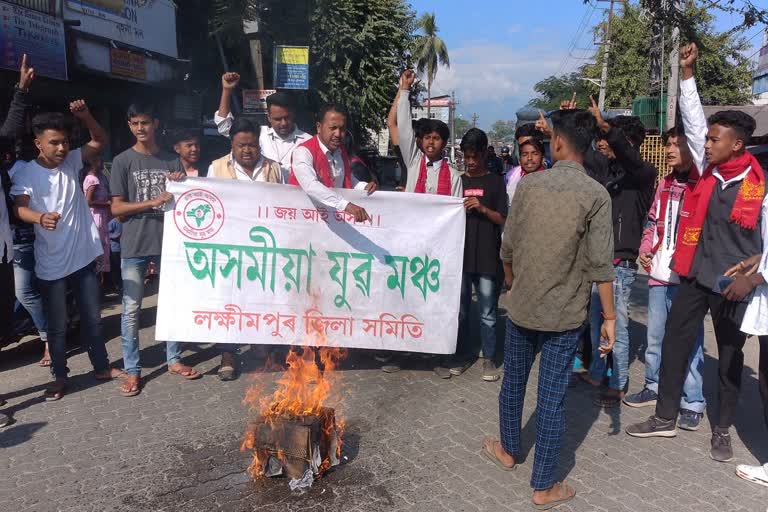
[{"x": 413, "y": 443}]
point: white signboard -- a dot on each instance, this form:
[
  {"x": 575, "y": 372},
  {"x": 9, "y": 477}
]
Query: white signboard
[
  {"x": 261, "y": 263},
  {"x": 147, "y": 24}
]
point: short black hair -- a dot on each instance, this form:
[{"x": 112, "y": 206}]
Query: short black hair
[
  {"x": 435, "y": 126},
  {"x": 142, "y": 109},
  {"x": 675, "y": 131},
  {"x": 281, "y": 99},
  {"x": 182, "y": 134},
  {"x": 51, "y": 121},
  {"x": 578, "y": 127},
  {"x": 330, "y": 107},
  {"x": 243, "y": 125},
  {"x": 528, "y": 130},
  {"x": 474, "y": 140},
  {"x": 536, "y": 143},
  {"x": 632, "y": 127},
  {"x": 743, "y": 124},
  {"x": 417, "y": 125}
]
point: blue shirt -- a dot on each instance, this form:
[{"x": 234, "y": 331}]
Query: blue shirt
[{"x": 115, "y": 230}]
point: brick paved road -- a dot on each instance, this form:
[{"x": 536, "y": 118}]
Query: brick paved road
[{"x": 413, "y": 444}]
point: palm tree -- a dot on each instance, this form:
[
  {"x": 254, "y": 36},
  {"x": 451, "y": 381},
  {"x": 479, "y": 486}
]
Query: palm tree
[{"x": 430, "y": 52}]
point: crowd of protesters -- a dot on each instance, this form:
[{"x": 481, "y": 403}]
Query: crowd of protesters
[{"x": 557, "y": 245}]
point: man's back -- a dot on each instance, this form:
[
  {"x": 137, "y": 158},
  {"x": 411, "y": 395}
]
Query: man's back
[{"x": 559, "y": 237}]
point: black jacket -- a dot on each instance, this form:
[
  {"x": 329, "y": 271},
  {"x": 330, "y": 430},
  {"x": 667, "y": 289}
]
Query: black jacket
[
  {"x": 14, "y": 121},
  {"x": 630, "y": 181}
]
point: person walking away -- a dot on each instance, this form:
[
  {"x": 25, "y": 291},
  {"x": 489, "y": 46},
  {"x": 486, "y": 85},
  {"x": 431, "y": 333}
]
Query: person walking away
[
  {"x": 137, "y": 186},
  {"x": 557, "y": 242},
  {"x": 486, "y": 204},
  {"x": 720, "y": 226},
  {"x": 47, "y": 194}
]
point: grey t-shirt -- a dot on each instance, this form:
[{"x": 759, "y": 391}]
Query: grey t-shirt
[{"x": 137, "y": 177}]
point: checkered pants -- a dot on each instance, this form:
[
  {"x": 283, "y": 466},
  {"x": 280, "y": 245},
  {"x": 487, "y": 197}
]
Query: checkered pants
[{"x": 556, "y": 360}]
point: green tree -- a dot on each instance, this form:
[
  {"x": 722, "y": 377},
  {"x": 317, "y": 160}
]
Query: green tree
[
  {"x": 554, "y": 89},
  {"x": 357, "y": 51},
  {"x": 501, "y": 129},
  {"x": 462, "y": 126},
  {"x": 430, "y": 51}
]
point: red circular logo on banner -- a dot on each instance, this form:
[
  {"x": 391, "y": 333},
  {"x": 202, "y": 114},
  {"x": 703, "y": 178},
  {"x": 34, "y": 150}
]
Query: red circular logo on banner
[{"x": 199, "y": 214}]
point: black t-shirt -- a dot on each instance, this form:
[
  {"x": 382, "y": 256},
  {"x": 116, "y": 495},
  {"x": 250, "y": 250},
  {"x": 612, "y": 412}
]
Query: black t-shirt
[{"x": 483, "y": 238}]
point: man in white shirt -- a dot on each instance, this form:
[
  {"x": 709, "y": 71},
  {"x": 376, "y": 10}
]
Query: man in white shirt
[
  {"x": 245, "y": 161},
  {"x": 322, "y": 164},
  {"x": 47, "y": 194},
  {"x": 280, "y": 138}
]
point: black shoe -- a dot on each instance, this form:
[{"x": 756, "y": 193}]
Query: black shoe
[
  {"x": 459, "y": 367},
  {"x": 689, "y": 420},
  {"x": 721, "y": 445},
  {"x": 644, "y": 398},
  {"x": 490, "y": 373},
  {"x": 442, "y": 372},
  {"x": 653, "y": 427}
]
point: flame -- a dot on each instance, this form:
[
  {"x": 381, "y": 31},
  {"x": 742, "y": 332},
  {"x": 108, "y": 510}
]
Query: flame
[{"x": 303, "y": 389}]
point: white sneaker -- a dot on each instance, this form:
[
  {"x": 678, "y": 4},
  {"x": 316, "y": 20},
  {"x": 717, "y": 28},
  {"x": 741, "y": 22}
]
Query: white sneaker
[{"x": 755, "y": 474}]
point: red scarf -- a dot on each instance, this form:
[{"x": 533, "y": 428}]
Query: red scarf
[
  {"x": 745, "y": 212},
  {"x": 443, "y": 180},
  {"x": 323, "y": 166}
]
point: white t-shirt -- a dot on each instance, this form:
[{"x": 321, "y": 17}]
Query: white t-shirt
[{"x": 75, "y": 241}]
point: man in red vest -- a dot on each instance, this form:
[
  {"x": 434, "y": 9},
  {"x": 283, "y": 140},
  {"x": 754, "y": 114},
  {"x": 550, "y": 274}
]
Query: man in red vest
[{"x": 322, "y": 164}]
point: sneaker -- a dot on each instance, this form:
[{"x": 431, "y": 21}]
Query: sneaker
[
  {"x": 5, "y": 420},
  {"x": 490, "y": 373},
  {"x": 653, "y": 427},
  {"x": 390, "y": 368},
  {"x": 754, "y": 474},
  {"x": 721, "y": 445},
  {"x": 644, "y": 398},
  {"x": 689, "y": 420},
  {"x": 442, "y": 372},
  {"x": 459, "y": 367}
]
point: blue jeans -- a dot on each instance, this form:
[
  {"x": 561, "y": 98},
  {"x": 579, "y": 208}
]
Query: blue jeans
[
  {"x": 622, "y": 286},
  {"x": 659, "y": 302},
  {"x": 557, "y": 352},
  {"x": 85, "y": 283},
  {"x": 133, "y": 271},
  {"x": 485, "y": 284},
  {"x": 27, "y": 286}
]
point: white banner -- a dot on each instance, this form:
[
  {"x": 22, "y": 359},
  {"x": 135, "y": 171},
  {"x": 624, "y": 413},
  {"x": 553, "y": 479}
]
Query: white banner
[{"x": 261, "y": 263}]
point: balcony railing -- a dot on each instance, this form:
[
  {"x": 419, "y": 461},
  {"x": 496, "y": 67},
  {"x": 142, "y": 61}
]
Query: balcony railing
[{"x": 44, "y": 6}]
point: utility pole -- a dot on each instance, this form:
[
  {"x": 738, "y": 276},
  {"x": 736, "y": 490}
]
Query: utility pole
[
  {"x": 452, "y": 119},
  {"x": 606, "y": 51},
  {"x": 475, "y": 117},
  {"x": 674, "y": 74}
]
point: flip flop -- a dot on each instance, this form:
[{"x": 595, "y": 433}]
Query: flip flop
[
  {"x": 55, "y": 391},
  {"x": 132, "y": 390},
  {"x": 552, "y": 504},
  {"x": 492, "y": 456},
  {"x": 114, "y": 373},
  {"x": 45, "y": 363},
  {"x": 192, "y": 374}
]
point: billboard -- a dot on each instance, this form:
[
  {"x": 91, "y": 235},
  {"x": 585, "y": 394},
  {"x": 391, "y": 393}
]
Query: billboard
[
  {"x": 291, "y": 67},
  {"x": 145, "y": 24},
  {"x": 38, "y": 35}
]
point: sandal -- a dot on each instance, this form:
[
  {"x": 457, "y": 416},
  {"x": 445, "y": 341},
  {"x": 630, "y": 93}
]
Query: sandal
[
  {"x": 55, "y": 390},
  {"x": 131, "y": 386},
  {"x": 183, "y": 371},
  {"x": 489, "y": 452},
  {"x": 565, "y": 494},
  {"x": 109, "y": 374},
  {"x": 45, "y": 362}
]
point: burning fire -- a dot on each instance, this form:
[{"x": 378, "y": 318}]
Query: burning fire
[{"x": 302, "y": 391}]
